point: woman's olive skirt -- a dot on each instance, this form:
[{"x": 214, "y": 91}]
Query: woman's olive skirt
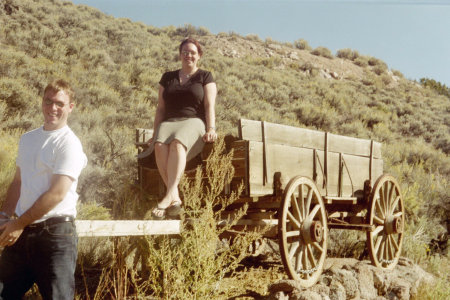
[{"x": 188, "y": 131}]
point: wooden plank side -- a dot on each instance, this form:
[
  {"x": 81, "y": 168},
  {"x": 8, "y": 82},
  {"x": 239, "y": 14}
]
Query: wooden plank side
[
  {"x": 293, "y": 161},
  {"x": 86, "y": 228},
  {"x": 357, "y": 173},
  {"x": 290, "y": 161},
  {"x": 282, "y": 134},
  {"x": 301, "y": 137},
  {"x": 352, "y": 146}
]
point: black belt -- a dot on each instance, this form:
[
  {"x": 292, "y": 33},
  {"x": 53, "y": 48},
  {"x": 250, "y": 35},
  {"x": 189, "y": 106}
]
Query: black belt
[{"x": 50, "y": 221}]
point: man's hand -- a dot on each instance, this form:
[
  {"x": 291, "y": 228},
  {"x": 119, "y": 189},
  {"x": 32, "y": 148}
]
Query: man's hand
[{"x": 10, "y": 232}]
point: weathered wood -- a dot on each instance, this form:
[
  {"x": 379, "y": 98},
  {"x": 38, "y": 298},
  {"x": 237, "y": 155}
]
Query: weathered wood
[
  {"x": 86, "y": 228},
  {"x": 361, "y": 227},
  {"x": 338, "y": 200},
  {"x": 100, "y": 228},
  {"x": 143, "y": 135},
  {"x": 306, "y": 138},
  {"x": 281, "y": 134},
  {"x": 292, "y": 161}
]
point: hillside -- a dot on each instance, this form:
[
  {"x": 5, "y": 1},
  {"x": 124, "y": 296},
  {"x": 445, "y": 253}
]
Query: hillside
[{"x": 116, "y": 64}]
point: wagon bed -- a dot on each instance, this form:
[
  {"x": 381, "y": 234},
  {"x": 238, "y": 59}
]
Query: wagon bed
[{"x": 304, "y": 182}]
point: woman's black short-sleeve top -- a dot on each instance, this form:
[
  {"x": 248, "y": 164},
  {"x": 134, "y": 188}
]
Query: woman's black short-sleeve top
[{"x": 185, "y": 100}]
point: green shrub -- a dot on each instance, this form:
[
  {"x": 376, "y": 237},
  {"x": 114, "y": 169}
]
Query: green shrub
[
  {"x": 347, "y": 54},
  {"x": 302, "y": 45},
  {"x": 322, "y": 51},
  {"x": 194, "y": 265},
  {"x": 361, "y": 61}
]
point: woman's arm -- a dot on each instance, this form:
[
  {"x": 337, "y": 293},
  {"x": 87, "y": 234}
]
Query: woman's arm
[{"x": 210, "y": 90}]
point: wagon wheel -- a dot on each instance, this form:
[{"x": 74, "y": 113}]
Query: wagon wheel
[
  {"x": 387, "y": 213},
  {"x": 302, "y": 229}
]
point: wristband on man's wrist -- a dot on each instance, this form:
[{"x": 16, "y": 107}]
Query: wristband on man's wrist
[
  {"x": 211, "y": 127},
  {"x": 5, "y": 214}
]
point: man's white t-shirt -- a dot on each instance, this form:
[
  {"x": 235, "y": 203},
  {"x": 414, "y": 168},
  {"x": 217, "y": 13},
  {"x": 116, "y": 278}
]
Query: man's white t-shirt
[{"x": 44, "y": 153}]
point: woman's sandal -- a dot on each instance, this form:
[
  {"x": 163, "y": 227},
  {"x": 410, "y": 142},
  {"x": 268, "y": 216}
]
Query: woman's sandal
[
  {"x": 157, "y": 217},
  {"x": 174, "y": 210}
]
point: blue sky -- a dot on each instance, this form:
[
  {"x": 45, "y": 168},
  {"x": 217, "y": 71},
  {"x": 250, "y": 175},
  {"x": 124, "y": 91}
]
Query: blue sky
[{"x": 411, "y": 36}]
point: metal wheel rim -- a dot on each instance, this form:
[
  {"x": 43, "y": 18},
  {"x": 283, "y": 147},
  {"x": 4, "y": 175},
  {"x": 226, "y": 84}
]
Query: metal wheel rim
[
  {"x": 386, "y": 204},
  {"x": 302, "y": 257}
]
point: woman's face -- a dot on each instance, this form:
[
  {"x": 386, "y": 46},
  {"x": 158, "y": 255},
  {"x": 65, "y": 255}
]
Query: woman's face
[{"x": 189, "y": 55}]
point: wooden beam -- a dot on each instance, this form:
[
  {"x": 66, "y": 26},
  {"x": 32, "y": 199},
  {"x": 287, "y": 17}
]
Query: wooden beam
[
  {"x": 100, "y": 228},
  {"x": 92, "y": 228}
]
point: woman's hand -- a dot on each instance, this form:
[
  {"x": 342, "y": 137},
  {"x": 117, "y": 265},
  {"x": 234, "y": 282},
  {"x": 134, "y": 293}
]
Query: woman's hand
[{"x": 210, "y": 136}]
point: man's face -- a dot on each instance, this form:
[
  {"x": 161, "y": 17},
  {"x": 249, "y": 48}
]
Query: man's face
[{"x": 56, "y": 108}]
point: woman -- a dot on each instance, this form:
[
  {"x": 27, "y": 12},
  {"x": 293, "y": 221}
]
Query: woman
[{"x": 184, "y": 121}]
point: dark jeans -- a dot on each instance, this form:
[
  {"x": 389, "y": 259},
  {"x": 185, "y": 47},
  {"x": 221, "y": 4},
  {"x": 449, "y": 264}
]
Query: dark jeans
[{"x": 44, "y": 255}]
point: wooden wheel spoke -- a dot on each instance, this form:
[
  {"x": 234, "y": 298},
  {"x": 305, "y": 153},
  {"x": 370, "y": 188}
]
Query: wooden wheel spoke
[
  {"x": 311, "y": 254},
  {"x": 318, "y": 247},
  {"x": 398, "y": 214},
  {"x": 296, "y": 208},
  {"x": 299, "y": 259},
  {"x": 377, "y": 230},
  {"x": 302, "y": 201},
  {"x": 382, "y": 247},
  {"x": 293, "y": 219},
  {"x": 394, "y": 243},
  {"x": 386, "y": 248},
  {"x": 389, "y": 197},
  {"x": 391, "y": 247},
  {"x": 378, "y": 206},
  {"x": 293, "y": 233},
  {"x": 308, "y": 200},
  {"x": 305, "y": 258},
  {"x": 381, "y": 199},
  {"x": 386, "y": 197},
  {"x": 293, "y": 249},
  {"x": 379, "y": 239},
  {"x": 394, "y": 204},
  {"x": 378, "y": 220},
  {"x": 313, "y": 212}
]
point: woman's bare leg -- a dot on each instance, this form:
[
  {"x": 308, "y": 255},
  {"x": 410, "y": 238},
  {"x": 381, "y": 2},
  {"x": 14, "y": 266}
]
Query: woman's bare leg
[
  {"x": 174, "y": 167},
  {"x": 161, "y": 156}
]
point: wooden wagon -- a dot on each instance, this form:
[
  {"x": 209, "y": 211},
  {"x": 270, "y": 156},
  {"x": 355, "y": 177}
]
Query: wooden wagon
[{"x": 305, "y": 182}]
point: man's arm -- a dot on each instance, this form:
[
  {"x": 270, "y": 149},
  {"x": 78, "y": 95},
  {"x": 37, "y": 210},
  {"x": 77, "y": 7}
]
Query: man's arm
[{"x": 59, "y": 186}]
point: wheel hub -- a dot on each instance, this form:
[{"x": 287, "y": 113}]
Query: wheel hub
[
  {"x": 393, "y": 225},
  {"x": 312, "y": 232},
  {"x": 316, "y": 231}
]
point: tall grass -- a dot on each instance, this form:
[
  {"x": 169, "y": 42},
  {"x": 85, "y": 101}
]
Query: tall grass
[{"x": 192, "y": 265}]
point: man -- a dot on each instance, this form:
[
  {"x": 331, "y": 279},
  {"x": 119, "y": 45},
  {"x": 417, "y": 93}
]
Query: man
[{"x": 41, "y": 243}]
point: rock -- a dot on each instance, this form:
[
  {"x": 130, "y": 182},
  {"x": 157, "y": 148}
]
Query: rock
[
  {"x": 352, "y": 279},
  {"x": 324, "y": 74},
  {"x": 334, "y": 75},
  {"x": 337, "y": 291},
  {"x": 293, "y": 55},
  {"x": 278, "y": 296},
  {"x": 285, "y": 285},
  {"x": 274, "y": 46},
  {"x": 400, "y": 288},
  {"x": 306, "y": 295},
  {"x": 349, "y": 282},
  {"x": 366, "y": 283}
]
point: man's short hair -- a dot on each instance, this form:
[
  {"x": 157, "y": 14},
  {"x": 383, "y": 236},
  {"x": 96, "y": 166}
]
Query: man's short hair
[{"x": 61, "y": 85}]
